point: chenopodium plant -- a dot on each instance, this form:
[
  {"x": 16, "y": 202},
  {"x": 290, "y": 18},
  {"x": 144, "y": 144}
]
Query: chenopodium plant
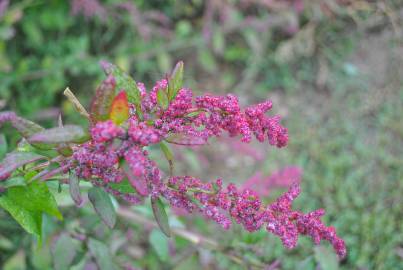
[{"x": 124, "y": 119}]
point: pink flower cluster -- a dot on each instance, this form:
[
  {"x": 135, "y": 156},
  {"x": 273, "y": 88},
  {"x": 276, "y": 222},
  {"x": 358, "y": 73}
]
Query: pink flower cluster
[
  {"x": 116, "y": 153},
  {"x": 246, "y": 208}
]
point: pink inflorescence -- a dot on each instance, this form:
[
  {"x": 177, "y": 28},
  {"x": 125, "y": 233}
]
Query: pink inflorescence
[{"x": 116, "y": 153}]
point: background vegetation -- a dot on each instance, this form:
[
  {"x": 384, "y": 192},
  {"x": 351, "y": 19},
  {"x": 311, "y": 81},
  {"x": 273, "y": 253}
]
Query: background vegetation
[{"x": 332, "y": 68}]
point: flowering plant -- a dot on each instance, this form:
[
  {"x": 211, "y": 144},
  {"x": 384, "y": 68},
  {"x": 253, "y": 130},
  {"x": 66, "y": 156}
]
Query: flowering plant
[{"x": 124, "y": 120}]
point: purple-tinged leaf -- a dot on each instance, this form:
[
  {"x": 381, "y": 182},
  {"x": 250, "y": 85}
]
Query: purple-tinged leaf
[
  {"x": 103, "y": 205},
  {"x": 160, "y": 215},
  {"x": 14, "y": 160},
  {"x": 74, "y": 187},
  {"x": 138, "y": 182},
  {"x": 66, "y": 134},
  {"x": 50, "y": 172},
  {"x": 102, "y": 101},
  {"x": 24, "y": 126},
  {"x": 185, "y": 139}
]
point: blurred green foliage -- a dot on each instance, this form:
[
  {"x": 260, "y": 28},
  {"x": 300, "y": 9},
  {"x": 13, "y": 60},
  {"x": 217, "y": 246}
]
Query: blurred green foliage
[{"x": 342, "y": 102}]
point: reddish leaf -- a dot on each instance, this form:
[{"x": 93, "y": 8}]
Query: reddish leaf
[{"x": 120, "y": 109}]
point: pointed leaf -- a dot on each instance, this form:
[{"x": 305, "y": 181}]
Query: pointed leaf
[
  {"x": 119, "y": 111},
  {"x": 27, "y": 204},
  {"x": 101, "y": 254},
  {"x": 138, "y": 182},
  {"x": 102, "y": 101},
  {"x": 185, "y": 139},
  {"x": 66, "y": 134},
  {"x": 74, "y": 187},
  {"x": 162, "y": 99},
  {"x": 35, "y": 197},
  {"x": 176, "y": 81},
  {"x": 25, "y": 127},
  {"x": 14, "y": 160},
  {"x": 103, "y": 206},
  {"x": 124, "y": 82},
  {"x": 63, "y": 252},
  {"x": 3, "y": 146},
  {"x": 123, "y": 186},
  {"x": 168, "y": 155},
  {"x": 31, "y": 221},
  {"x": 160, "y": 215}
]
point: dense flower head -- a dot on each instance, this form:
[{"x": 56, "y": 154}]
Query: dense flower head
[{"x": 118, "y": 152}]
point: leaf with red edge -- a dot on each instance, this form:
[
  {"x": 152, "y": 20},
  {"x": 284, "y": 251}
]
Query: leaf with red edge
[
  {"x": 126, "y": 83},
  {"x": 102, "y": 101},
  {"x": 119, "y": 111}
]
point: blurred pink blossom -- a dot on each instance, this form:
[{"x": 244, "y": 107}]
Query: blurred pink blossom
[{"x": 280, "y": 178}]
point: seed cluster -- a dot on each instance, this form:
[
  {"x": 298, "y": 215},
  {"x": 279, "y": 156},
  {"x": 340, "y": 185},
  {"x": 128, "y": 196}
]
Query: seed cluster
[{"x": 116, "y": 153}]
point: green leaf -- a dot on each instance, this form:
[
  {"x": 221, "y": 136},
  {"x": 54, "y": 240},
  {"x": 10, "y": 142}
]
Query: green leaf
[
  {"x": 101, "y": 254},
  {"x": 35, "y": 197},
  {"x": 162, "y": 99},
  {"x": 14, "y": 182},
  {"x": 74, "y": 188},
  {"x": 31, "y": 221},
  {"x": 176, "y": 81},
  {"x": 102, "y": 101},
  {"x": 125, "y": 82},
  {"x": 193, "y": 114},
  {"x": 26, "y": 204},
  {"x": 14, "y": 160},
  {"x": 160, "y": 215},
  {"x": 63, "y": 252},
  {"x": 123, "y": 187},
  {"x": 160, "y": 244},
  {"x": 16, "y": 262},
  {"x": 103, "y": 205},
  {"x": 326, "y": 258},
  {"x": 168, "y": 155},
  {"x": 3, "y": 146},
  {"x": 66, "y": 134}
]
